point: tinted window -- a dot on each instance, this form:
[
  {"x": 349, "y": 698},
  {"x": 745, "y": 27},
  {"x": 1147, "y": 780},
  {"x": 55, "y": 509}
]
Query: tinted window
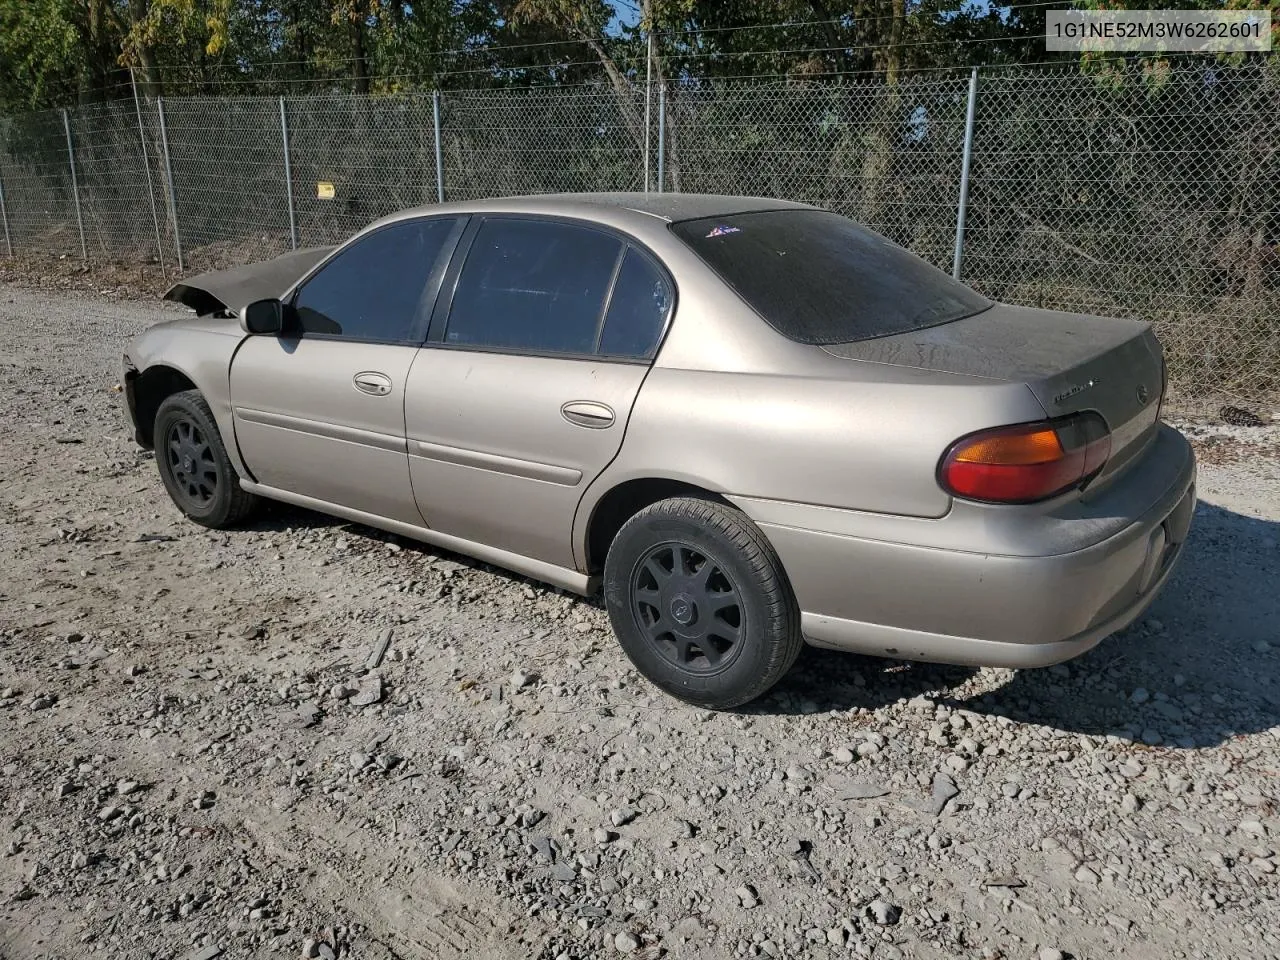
[
  {"x": 820, "y": 278},
  {"x": 637, "y": 310},
  {"x": 533, "y": 285},
  {"x": 373, "y": 289}
]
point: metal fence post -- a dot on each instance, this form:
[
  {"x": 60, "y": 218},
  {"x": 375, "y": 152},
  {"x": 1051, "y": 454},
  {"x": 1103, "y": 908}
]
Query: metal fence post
[
  {"x": 146, "y": 168},
  {"x": 435, "y": 120},
  {"x": 288, "y": 176},
  {"x": 168, "y": 176},
  {"x": 75, "y": 186},
  {"x": 963, "y": 204},
  {"x": 4, "y": 216},
  {"x": 662, "y": 133},
  {"x": 648, "y": 99}
]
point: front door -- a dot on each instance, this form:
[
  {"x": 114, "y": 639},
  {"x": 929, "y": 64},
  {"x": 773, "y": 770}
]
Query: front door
[
  {"x": 522, "y": 396},
  {"x": 319, "y": 410}
]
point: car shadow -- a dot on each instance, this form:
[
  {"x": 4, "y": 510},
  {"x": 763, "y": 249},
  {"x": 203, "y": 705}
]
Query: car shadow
[
  {"x": 1199, "y": 668},
  {"x": 278, "y": 517},
  {"x": 825, "y": 681}
]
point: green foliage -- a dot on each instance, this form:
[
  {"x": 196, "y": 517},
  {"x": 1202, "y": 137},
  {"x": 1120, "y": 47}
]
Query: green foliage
[
  {"x": 41, "y": 60},
  {"x": 54, "y": 52}
]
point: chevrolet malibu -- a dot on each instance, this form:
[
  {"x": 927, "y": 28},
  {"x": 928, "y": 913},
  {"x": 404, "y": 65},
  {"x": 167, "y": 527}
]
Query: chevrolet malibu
[{"x": 750, "y": 423}]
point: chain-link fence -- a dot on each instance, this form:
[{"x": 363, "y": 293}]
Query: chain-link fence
[
  {"x": 543, "y": 140},
  {"x": 888, "y": 157},
  {"x": 1155, "y": 197},
  {"x": 1153, "y": 194},
  {"x": 116, "y": 185},
  {"x": 35, "y": 173}
]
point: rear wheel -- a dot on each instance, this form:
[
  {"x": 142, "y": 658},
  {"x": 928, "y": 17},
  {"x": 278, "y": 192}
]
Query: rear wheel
[
  {"x": 194, "y": 465},
  {"x": 700, "y": 603}
]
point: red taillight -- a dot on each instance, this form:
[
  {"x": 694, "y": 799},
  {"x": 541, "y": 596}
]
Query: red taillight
[{"x": 1027, "y": 462}]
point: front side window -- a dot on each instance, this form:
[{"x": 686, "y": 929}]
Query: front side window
[
  {"x": 819, "y": 278},
  {"x": 373, "y": 290},
  {"x": 533, "y": 285}
]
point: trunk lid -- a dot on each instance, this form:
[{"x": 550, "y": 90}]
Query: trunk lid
[{"x": 1071, "y": 362}]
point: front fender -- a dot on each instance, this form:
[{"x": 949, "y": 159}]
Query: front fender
[{"x": 201, "y": 350}]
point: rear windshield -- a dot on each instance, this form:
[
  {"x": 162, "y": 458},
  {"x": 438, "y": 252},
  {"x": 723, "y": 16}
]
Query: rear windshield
[{"x": 819, "y": 278}]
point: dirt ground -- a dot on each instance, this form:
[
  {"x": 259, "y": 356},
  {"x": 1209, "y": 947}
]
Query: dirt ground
[{"x": 198, "y": 758}]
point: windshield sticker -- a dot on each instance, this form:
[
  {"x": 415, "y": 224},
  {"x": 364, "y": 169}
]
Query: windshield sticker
[{"x": 722, "y": 230}]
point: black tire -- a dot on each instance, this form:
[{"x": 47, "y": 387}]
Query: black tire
[
  {"x": 724, "y": 590},
  {"x": 194, "y": 465}
]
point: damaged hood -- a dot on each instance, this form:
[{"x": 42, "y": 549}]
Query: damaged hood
[{"x": 230, "y": 290}]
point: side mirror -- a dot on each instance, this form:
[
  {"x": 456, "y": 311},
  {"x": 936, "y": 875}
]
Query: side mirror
[{"x": 264, "y": 317}]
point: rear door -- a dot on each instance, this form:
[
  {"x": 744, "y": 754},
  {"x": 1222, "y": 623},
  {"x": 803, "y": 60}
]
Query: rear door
[
  {"x": 522, "y": 394},
  {"x": 319, "y": 410}
]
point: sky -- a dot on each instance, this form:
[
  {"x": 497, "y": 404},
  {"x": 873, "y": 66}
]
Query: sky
[{"x": 625, "y": 14}]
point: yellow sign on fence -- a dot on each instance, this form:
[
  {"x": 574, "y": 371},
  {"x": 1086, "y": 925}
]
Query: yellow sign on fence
[{"x": 324, "y": 190}]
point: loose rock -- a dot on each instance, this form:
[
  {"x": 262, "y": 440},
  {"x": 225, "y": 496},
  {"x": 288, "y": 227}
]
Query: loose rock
[
  {"x": 369, "y": 692},
  {"x": 626, "y": 942},
  {"x": 883, "y": 912}
]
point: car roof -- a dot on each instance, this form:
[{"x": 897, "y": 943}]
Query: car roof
[
  {"x": 641, "y": 213},
  {"x": 668, "y": 207}
]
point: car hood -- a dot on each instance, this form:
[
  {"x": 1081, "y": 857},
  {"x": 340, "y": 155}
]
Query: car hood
[{"x": 230, "y": 290}]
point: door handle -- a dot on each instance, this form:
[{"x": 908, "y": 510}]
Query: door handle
[
  {"x": 373, "y": 383},
  {"x": 588, "y": 413}
]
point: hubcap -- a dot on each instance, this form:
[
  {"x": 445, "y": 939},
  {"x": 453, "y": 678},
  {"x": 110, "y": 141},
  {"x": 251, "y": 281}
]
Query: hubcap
[
  {"x": 687, "y": 607},
  {"x": 191, "y": 462},
  {"x": 683, "y": 609}
]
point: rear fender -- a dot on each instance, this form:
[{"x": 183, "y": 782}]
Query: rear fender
[{"x": 868, "y": 445}]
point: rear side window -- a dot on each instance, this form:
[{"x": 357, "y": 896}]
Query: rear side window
[
  {"x": 638, "y": 309},
  {"x": 533, "y": 285},
  {"x": 373, "y": 290},
  {"x": 819, "y": 278}
]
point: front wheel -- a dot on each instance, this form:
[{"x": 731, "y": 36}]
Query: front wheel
[
  {"x": 194, "y": 465},
  {"x": 700, "y": 603}
]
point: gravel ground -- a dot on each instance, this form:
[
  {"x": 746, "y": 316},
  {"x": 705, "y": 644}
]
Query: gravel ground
[{"x": 199, "y": 756}]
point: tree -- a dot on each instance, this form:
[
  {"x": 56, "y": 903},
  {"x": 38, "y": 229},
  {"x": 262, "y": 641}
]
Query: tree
[{"x": 50, "y": 50}]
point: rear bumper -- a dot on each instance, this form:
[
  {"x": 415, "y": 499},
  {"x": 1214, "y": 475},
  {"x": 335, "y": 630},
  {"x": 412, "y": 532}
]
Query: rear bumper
[
  {"x": 898, "y": 597},
  {"x": 887, "y": 641}
]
